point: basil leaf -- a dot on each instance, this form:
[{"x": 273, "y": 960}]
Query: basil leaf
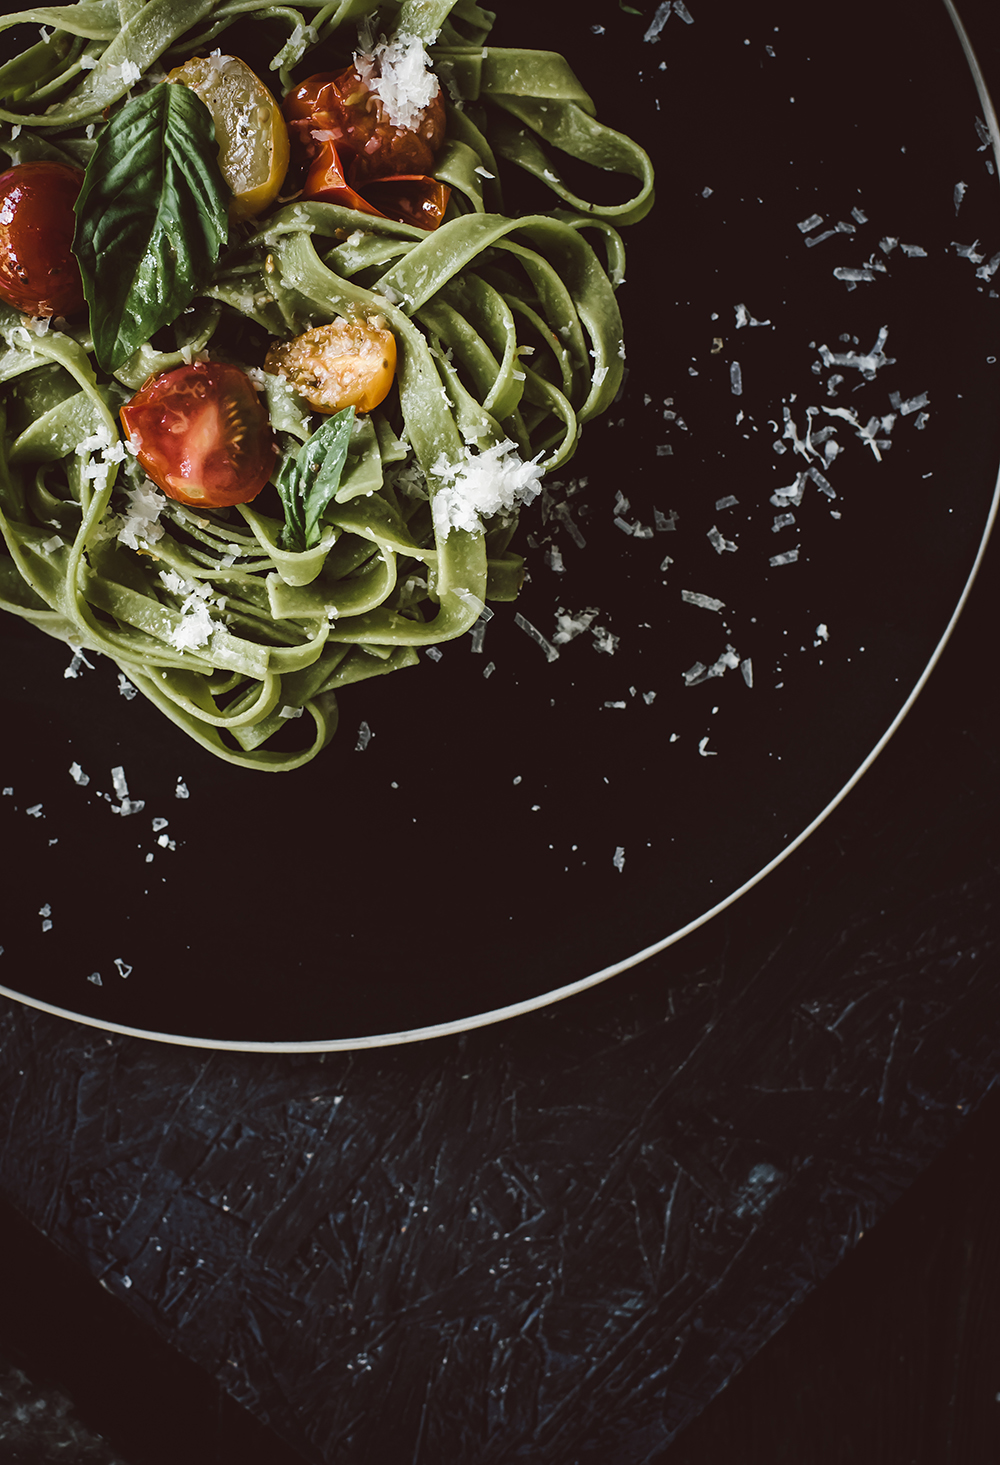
[
  {"x": 286, "y": 480},
  {"x": 321, "y": 463},
  {"x": 308, "y": 482},
  {"x": 151, "y": 218}
]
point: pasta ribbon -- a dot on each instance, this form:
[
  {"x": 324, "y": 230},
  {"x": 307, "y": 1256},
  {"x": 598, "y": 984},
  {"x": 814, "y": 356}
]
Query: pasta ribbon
[{"x": 508, "y": 339}]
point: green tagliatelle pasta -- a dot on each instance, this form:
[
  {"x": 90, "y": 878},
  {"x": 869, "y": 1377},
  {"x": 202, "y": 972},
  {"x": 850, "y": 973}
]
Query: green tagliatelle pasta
[{"x": 508, "y": 336}]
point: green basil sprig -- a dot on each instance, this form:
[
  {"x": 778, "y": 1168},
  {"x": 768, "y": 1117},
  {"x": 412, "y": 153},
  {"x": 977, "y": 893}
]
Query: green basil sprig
[
  {"x": 308, "y": 481},
  {"x": 151, "y": 218}
]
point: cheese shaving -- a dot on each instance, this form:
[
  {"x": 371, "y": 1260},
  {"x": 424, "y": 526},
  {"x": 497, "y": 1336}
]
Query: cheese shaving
[
  {"x": 197, "y": 626},
  {"x": 399, "y": 74},
  {"x": 491, "y": 482},
  {"x": 551, "y": 652},
  {"x": 141, "y": 521},
  {"x": 706, "y": 602}
]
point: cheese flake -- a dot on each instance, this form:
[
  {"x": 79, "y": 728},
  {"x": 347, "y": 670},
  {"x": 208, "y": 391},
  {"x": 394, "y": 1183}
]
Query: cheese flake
[
  {"x": 399, "y": 73},
  {"x": 141, "y": 519},
  {"x": 482, "y": 484}
]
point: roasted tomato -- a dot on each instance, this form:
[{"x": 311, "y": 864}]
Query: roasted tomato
[
  {"x": 349, "y": 363},
  {"x": 341, "y": 105},
  {"x": 419, "y": 201},
  {"x": 38, "y": 271},
  {"x": 249, "y": 127},
  {"x": 411, "y": 198},
  {"x": 343, "y": 142},
  {"x": 202, "y": 434}
]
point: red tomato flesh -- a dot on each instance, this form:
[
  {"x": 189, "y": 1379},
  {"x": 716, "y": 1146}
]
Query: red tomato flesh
[
  {"x": 38, "y": 270},
  {"x": 202, "y": 434}
]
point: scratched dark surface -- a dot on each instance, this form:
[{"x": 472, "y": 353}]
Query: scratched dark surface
[{"x": 555, "y": 1240}]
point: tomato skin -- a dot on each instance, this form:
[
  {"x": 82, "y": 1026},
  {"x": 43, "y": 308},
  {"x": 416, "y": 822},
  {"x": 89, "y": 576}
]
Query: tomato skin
[
  {"x": 344, "y": 143},
  {"x": 203, "y": 435},
  {"x": 410, "y": 198},
  {"x": 39, "y": 274},
  {"x": 419, "y": 201},
  {"x": 326, "y": 182}
]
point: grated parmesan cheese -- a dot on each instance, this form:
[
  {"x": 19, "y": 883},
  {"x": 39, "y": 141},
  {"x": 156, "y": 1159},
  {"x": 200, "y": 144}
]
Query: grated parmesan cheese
[
  {"x": 569, "y": 625},
  {"x": 197, "y": 626},
  {"x": 551, "y": 652},
  {"x": 125, "y": 805},
  {"x": 744, "y": 318},
  {"x": 399, "y": 73},
  {"x": 911, "y": 404},
  {"x": 707, "y": 602},
  {"x": 78, "y": 660},
  {"x": 843, "y": 227},
  {"x": 719, "y": 543},
  {"x": 141, "y": 519},
  {"x": 868, "y": 364},
  {"x": 490, "y": 482}
]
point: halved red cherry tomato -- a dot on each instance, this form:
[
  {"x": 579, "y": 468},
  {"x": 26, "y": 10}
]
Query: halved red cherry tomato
[
  {"x": 202, "y": 434},
  {"x": 343, "y": 141},
  {"x": 38, "y": 270}
]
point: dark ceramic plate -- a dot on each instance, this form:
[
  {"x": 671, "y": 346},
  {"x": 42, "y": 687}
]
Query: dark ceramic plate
[{"x": 505, "y": 840}]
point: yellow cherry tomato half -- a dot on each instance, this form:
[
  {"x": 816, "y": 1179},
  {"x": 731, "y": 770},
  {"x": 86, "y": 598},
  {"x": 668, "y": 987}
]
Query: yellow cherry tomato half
[
  {"x": 249, "y": 127},
  {"x": 349, "y": 363}
]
